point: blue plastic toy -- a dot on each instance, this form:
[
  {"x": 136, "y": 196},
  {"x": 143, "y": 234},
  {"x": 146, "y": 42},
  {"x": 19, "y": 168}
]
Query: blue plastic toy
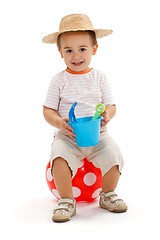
[
  {"x": 86, "y": 129},
  {"x": 71, "y": 114}
]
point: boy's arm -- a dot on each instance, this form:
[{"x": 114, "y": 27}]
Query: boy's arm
[
  {"x": 53, "y": 118},
  {"x": 108, "y": 114}
]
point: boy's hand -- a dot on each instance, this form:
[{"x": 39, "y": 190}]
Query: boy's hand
[
  {"x": 69, "y": 131},
  {"x": 105, "y": 119}
]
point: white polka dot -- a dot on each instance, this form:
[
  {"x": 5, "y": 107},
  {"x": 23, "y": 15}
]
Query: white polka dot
[
  {"x": 76, "y": 192},
  {"x": 49, "y": 175},
  {"x": 89, "y": 178},
  {"x": 55, "y": 193},
  {"x": 95, "y": 194}
]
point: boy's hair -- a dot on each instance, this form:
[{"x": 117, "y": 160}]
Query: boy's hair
[{"x": 91, "y": 33}]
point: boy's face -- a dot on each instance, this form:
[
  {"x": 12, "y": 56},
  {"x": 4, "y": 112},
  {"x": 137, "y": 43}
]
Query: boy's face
[{"x": 77, "y": 49}]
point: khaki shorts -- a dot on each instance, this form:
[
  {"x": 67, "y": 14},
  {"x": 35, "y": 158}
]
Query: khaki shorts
[{"x": 104, "y": 155}]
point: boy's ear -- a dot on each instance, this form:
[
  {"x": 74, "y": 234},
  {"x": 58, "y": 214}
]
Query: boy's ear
[
  {"x": 60, "y": 52},
  {"x": 95, "y": 49}
]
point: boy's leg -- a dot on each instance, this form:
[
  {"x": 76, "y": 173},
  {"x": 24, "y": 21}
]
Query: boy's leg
[
  {"x": 64, "y": 167},
  {"x": 107, "y": 156},
  {"x": 63, "y": 179},
  {"x": 110, "y": 179}
]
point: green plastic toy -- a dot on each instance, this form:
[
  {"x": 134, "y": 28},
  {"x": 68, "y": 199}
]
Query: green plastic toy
[{"x": 100, "y": 108}]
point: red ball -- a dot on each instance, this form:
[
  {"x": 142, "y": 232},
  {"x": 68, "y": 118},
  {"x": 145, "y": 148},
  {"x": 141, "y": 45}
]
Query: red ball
[{"x": 86, "y": 184}]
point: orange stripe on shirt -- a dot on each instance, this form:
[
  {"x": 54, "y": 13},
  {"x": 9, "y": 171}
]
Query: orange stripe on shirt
[{"x": 81, "y": 72}]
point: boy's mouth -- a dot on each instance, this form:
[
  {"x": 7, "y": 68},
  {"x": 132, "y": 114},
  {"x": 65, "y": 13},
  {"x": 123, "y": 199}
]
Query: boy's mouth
[{"x": 77, "y": 63}]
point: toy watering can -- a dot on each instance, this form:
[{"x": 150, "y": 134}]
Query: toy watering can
[{"x": 87, "y": 129}]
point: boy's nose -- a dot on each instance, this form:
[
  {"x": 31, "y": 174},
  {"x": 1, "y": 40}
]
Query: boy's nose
[{"x": 76, "y": 56}]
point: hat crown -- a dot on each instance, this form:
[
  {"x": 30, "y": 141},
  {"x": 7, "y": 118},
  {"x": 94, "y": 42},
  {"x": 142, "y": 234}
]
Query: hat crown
[{"x": 75, "y": 22}]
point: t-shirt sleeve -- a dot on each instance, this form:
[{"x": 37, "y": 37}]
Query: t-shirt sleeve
[
  {"x": 107, "y": 96},
  {"x": 52, "y": 97}
]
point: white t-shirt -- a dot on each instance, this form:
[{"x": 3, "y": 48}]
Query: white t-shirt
[{"x": 86, "y": 88}]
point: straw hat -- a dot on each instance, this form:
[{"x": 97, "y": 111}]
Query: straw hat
[{"x": 75, "y": 22}]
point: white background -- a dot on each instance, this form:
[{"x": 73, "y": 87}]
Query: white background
[{"x": 130, "y": 58}]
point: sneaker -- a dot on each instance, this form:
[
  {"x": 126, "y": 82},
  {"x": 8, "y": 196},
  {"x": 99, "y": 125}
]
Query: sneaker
[
  {"x": 112, "y": 202},
  {"x": 65, "y": 210}
]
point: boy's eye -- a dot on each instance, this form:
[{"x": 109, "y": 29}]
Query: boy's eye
[
  {"x": 68, "y": 51},
  {"x": 82, "y": 49}
]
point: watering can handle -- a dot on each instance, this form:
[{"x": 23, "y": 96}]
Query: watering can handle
[{"x": 71, "y": 115}]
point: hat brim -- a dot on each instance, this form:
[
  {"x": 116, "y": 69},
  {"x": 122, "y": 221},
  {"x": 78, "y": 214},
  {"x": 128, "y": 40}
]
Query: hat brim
[{"x": 52, "y": 38}]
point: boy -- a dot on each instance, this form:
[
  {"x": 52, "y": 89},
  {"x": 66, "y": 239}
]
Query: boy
[{"x": 77, "y": 43}]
